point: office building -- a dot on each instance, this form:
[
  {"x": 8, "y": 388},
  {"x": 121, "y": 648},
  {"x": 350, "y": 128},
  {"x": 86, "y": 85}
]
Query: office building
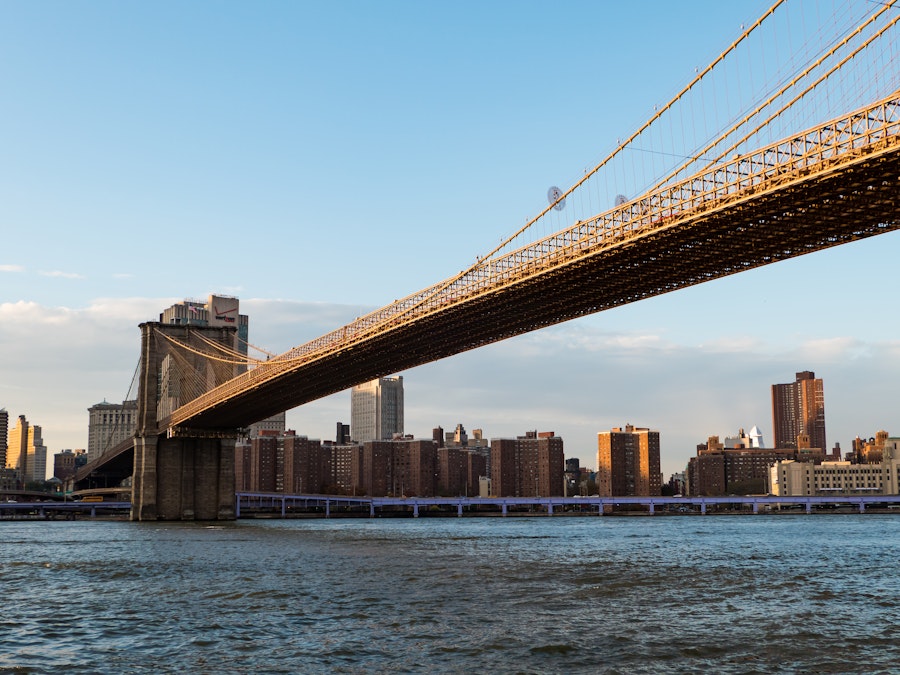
[
  {"x": 869, "y": 451},
  {"x": 220, "y": 310},
  {"x": 257, "y": 465},
  {"x": 67, "y": 462},
  {"x": 737, "y": 467},
  {"x": 4, "y": 435},
  {"x": 801, "y": 479},
  {"x": 532, "y": 465},
  {"x": 400, "y": 467},
  {"x": 799, "y": 408},
  {"x": 9, "y": 480},
  {"x": 458, "y": 471},
  {"x": 288, "y": 463},
  {"x": 346, "y": 468},
  {"x": 342, "y": 434},
  {"x": 26, "y": 452},
  {"x": 628, "y": 462},
  {"x": 377, "y": 468},
  {"x": 276, "y": 423},
  {"x": 108, "y": 425},
  {"x": 307, "y": 465},
  {"x": 376, "y": 410}
]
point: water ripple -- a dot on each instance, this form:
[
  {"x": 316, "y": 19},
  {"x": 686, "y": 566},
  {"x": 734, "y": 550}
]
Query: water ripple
[{"x": 747, "y": 595}]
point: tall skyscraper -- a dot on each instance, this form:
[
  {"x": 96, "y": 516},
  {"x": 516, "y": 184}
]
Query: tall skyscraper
[
  {"x": 108, "y": 425},
  {"x": 16, "y": 449},
  {"x": 26, "y": 452},
  {"x": 799, "y": 408},
  {"x": 628, "y": 462},
  {"x": 222, "y": 310},
  {"x": 376, "y": 409},
  {"x": 4, "y": 434}
]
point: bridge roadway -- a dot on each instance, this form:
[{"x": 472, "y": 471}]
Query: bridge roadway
[
  {"x": 110, "y": 469},
  {"x": 827, "y": 186},
  {"x": 283, "y": 503}
]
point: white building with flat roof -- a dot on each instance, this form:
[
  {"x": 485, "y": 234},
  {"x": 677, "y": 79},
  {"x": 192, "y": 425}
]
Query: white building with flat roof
[{"x": 790, "y": 478}]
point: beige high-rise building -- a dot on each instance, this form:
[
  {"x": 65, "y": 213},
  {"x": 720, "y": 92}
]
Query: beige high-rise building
[
  {"x": 26, "y": 452},
  {"x": 108, "y": 425},
  {"x": 4, "y": 435},
  {"x": 798, "y": 408},
  {"x": 376, "y": 410},
  {"x": 628, "y": 462}
]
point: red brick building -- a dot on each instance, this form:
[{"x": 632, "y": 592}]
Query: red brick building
[
  {"x": 628, "y": 462},
  {"x": 528, "y": 466}
]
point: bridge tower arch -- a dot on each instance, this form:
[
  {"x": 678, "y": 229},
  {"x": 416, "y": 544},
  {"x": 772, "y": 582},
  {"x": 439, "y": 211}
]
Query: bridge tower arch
[{"x": 181, "y": 473}]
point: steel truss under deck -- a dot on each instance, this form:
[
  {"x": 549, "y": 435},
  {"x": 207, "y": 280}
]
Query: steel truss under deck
[{"x": 830, "y": 185}]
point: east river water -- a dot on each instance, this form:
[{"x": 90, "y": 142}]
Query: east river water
[{"x": 683, "y": 594}]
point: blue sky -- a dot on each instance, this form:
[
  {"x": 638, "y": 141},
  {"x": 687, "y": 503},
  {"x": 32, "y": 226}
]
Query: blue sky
[{"x": 321, "y": 159}]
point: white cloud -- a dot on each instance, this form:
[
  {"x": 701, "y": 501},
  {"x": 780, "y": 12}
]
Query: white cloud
[
  {"x": 736, "y": 344},
  {"x": 835, "y": 349},
  {"x": 61, "y": 275},
  {"x": 11, "y": 268}
]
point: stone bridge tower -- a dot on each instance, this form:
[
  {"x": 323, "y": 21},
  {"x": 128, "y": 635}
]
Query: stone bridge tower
[{"x": 181, "y": 473}]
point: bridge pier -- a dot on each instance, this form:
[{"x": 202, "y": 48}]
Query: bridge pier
[
  {"x": 181, "y": 473},
  {"x": 183, "y": 478}
]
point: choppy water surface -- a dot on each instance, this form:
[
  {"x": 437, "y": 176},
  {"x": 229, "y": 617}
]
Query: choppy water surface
[{"x": 749, "y": 594}]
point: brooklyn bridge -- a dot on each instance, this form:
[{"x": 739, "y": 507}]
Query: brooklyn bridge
[{"x": 810, "y": 161}]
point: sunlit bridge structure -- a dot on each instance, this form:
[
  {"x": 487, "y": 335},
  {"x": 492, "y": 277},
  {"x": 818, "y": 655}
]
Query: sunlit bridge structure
[{"x": 786, "y": 144}]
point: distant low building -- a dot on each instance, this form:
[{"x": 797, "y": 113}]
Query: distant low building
[
  {"x": 9, "y": 479},
  {"x": 801, "y": 479},
  {"x": 738, "y": 466},
  {"x": 869, "y": 451},
  {"x": 66, "y": 463}
]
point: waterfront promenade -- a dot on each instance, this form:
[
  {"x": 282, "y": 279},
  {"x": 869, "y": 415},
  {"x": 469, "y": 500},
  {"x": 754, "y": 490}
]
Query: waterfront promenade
[
  {"x": 273, "y": 504},
  {"x": 250, "y": 503}
]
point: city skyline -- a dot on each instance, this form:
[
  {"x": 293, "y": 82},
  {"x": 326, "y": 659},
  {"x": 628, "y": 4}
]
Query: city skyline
[
  {"x": 163, "y": 162},
  {"x": 669, "y": 464}
]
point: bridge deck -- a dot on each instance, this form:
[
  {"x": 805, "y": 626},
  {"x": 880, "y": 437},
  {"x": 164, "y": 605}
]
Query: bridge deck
[{"x": 827, "y": 186}]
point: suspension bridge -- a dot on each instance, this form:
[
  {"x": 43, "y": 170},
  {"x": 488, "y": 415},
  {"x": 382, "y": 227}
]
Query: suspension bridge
[{"x": 804, "y": 159}]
